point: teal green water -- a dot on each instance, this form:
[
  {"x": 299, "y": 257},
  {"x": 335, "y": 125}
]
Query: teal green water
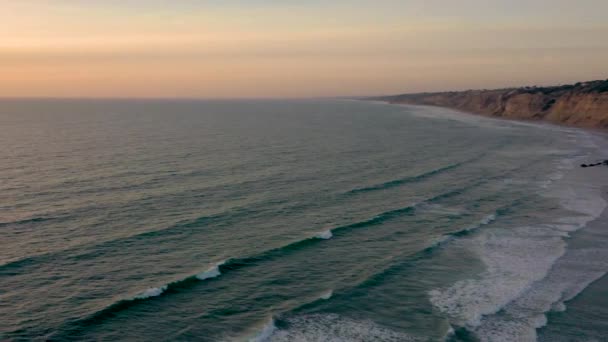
[{"x": 286, "y": 221}]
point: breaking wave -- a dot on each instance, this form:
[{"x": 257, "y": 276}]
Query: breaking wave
[
  {"x": 326, "y": 295},
  {"x": 266, "y": 333},
  {"x": 234, "y": 264},
  {"x": 484, "y": 221},
  {"x": 326, "y": 235},
  {"x": 151, "y": 292},
  {"x": 212, "y": 272},
  {"x": 530, "y": 270},
  {"x": 331, "y": 327}
]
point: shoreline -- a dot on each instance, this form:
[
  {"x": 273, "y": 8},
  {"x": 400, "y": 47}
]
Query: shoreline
[
  {"x": 584, "y": 314},
  {"x": 583, "y": 283},
  {"x": 595, "y": 130},
  {"x": 584, "y": 104},
  {"x": 584, "y": 262}
]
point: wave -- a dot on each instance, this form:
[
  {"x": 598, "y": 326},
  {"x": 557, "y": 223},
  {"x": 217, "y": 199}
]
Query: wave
[
  {"x": 295, "y": 324},
  {"x": 527, "y": 274},
  {"x": 435, "y": 245},
  {"x": 532, "y": 307},
  {"x": 329, "y": 327},
  {"x": 27, "y": 221},
  {"x": 197, "y": 222},
  {"x": 405, "y": 211},
  {"x": 567, "y": 277},
  {"x": 440, "y": 210},
  {"x": 422, "y": 176},
  {"x": 326, "y": 235},
  {"x": 405, "y": 180},
  {"x": 176, "y": 229},
  {"x": 266, "y": 332},
  {"x": 121, "y": 305},
  {"x": 13, "y": 266},
  {"x": 212, "y": 272},
  {"x": 326, "y": 295},
  {"x": 234, "y": 264},
  {"x": 484, "y": 221},
  {"x": 290, "y": 325},
  {"x": 530, "y": 270},
  {"x": 463, "y": 232},
  {"x": 512, "y": 265},
  {"x": 488, "y": 219},
  {"x": 151, "y": 292},
  {"x": 80, "y": 251},
  {"x": 409, "y": 210}
]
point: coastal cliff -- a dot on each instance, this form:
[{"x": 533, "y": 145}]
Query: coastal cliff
[{"x": 582, "y": 104}]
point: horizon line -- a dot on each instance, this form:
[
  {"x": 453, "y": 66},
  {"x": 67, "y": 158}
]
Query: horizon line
[
  {"x": 270, "y": 98},
  {"x": 175, "y": 98}
]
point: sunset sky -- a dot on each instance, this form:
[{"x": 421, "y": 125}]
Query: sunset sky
[{"x": 289, "y": 48}]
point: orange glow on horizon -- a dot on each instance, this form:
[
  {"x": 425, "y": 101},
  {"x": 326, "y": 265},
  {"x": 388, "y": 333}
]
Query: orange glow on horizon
[{"x": 125, "y": 51}]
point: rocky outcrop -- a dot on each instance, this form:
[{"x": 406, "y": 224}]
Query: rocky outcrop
[
  {"x": 582, "y": 104},
  {"x": 605, "y": 163}
]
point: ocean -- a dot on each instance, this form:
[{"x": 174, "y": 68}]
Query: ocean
[{"x": 299, "y": 220}]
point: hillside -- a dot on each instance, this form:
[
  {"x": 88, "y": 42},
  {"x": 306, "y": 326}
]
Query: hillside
[{"x": 582, "y": 104}]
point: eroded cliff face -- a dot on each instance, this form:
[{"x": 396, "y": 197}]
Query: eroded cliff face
[{"x": 582, "y": 104}]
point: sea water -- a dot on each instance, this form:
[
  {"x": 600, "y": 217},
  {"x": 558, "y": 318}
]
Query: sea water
[{"x": 291, "y": 221}]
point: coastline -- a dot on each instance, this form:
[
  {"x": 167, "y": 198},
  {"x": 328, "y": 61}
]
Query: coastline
[
  {"x": 528, "y": 121},
  {"x": 579, "y": 276},
  {"x": 583, "y": 315},
  {"x": 491, "y": 214},
  {"x": 466, "y": 115},
  {"x": 584, "y": 104}
]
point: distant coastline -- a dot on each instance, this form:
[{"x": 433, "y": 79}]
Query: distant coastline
[{"x": 584, "y": 104}]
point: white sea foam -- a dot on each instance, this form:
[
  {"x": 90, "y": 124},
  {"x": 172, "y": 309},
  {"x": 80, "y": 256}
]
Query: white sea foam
[
  {"x": 449, "y": 334},
  {"x": 266, "y": 333},
  {"x": 326, "y": 235},
  {"x": 212, "y": 272},
  {"x": 529, "y": 270},
  {"x": 151, "y": 292},
  {"x": 488, "y": 219},
  {"x": 327, "y": 295},
  {"x": 332, "y": 327},
  {"x": 519, "y": 320},
  {"x": 513, "y": 262}
]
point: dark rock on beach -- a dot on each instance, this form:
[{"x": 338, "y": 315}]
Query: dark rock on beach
[{"x": 605, "y": 162}]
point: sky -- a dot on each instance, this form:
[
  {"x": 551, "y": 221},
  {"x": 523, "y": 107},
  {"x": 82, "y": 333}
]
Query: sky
[{"x": 289, "y": 48}]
